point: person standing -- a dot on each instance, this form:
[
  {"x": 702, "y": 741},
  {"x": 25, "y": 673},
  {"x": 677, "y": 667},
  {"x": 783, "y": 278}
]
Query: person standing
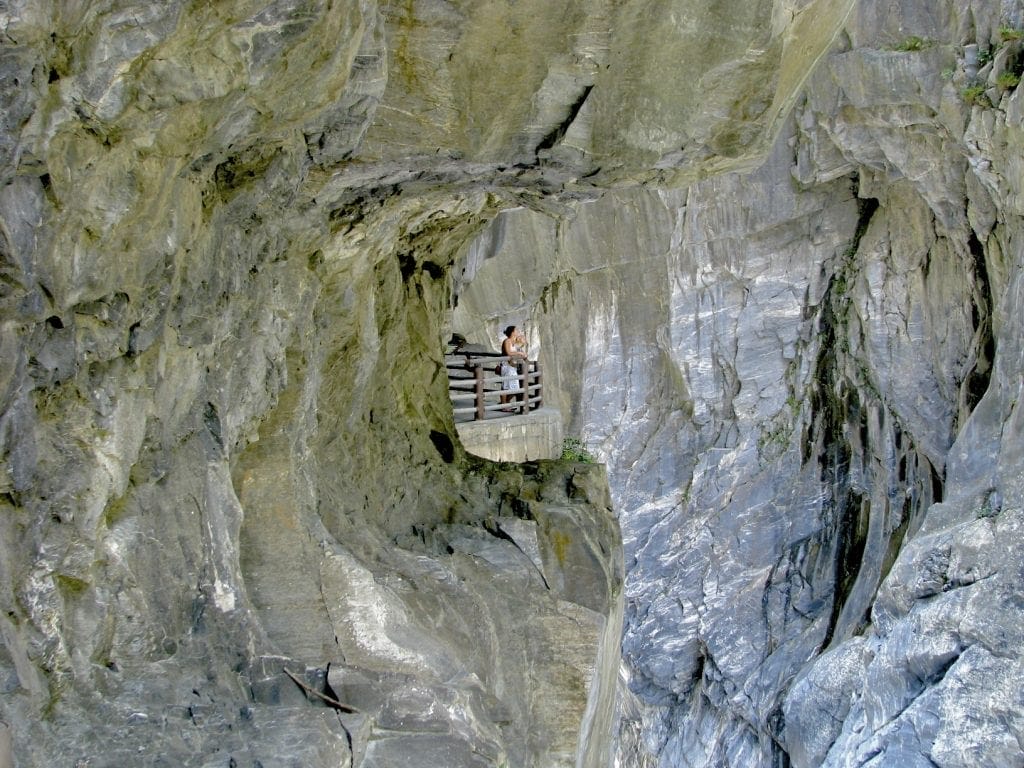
[{"x": 514, "y": 349}]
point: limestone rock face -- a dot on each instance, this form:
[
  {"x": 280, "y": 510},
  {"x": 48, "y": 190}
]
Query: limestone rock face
[
  {"x": 233, "y": 501},
  {"x": 231, "y": 481},
  {"x": 804, "y": 381}
]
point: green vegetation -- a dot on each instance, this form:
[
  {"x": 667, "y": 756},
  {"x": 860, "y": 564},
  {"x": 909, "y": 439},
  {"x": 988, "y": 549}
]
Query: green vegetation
[
  {"x": 775, "y": 437},
  {"x": 986, "y": 510},
  {"x": 914, "y": 43},
  {"x": 1010, "y": 34},
  {"x": 573, "y": 449},
  {"x": 975, "y": 96},
  {"x": 1008, "y": 80}
]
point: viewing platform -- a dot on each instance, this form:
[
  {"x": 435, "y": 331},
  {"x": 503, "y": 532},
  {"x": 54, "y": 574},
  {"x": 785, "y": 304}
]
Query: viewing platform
[
  {"x": 519, "y": 429},
  {"x": 475, "y": 386}
]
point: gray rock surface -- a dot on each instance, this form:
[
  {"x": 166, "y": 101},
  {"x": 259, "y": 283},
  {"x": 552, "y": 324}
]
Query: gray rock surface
[
  {"x": 233, "y": 238},
  {"x": 803, "y": 380}
]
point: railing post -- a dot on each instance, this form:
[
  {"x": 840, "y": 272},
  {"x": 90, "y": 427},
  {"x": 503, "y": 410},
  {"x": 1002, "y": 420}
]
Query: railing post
[
  {"x": 540, "y": 395},
  {"x": 478, "y": 374},
  {"x": 523, "y": 395}
]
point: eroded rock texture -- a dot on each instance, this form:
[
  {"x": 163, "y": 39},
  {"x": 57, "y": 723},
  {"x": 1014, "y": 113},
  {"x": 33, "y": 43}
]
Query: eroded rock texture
[
  {"x": 227, "y": 231},
  {"x": 232, "y": 237},
  {"x": 804, "y": 381}
]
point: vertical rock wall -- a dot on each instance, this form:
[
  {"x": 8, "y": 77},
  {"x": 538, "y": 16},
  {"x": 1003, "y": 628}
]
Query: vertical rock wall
[
  {"x": 804, "y": 382},
  {"x": 228, "y": 453},
  {"x": 227, "y": 237}
]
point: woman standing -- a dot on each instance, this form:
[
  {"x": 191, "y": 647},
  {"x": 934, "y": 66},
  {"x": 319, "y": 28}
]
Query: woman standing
[{"x": 514, "y": 349}]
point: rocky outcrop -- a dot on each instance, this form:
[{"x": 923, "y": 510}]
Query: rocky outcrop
[
  {"x": 227, "y": 233},
  {"x": 804, "y": 382},
  {"x": 234, "y": 505}
]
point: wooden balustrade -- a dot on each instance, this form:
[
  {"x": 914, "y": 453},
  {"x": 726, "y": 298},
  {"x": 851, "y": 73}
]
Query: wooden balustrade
[{"x": 475, "y": 386}]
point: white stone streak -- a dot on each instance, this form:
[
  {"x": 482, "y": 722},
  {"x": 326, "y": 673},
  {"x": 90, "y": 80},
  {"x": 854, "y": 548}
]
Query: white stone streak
[
  {"x": 368, "y": 616},
  {"x": 221, "y": 521}
]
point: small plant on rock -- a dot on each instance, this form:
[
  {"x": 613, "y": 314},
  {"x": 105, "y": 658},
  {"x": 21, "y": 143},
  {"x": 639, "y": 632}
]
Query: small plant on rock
[
  {"x": 1009, "y": 34},
  {"x": 573, "y": 449},
  {"x": 975, "y": 96},
  {"x": 914, "y": 43},
  {"x": 1008, "y": 80}
]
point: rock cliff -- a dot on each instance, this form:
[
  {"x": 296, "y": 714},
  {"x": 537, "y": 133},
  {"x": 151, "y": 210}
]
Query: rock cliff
[
  {"x": 804, "y": 382},
  {"x": 770, "y": 253},
  {"x": 233, "y": 502}
]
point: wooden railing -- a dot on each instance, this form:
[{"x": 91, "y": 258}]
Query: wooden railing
[{"x": 474, "y": 384}]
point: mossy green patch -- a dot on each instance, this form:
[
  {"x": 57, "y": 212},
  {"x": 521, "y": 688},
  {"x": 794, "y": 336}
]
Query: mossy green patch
[
  {"x": 914, "y": 43},
  {"x": 71, "y": 586},
  {"x": 560, "y": 542}
]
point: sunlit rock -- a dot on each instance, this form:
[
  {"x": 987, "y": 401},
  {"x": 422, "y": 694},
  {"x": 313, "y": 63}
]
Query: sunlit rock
[{"x": 234, "y": 504}]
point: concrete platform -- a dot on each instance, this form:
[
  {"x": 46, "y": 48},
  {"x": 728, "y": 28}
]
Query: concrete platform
[{"x": 535, "y": 435}]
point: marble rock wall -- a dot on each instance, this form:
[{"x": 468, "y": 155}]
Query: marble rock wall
[
  {"x": 233, "y": 236},
  {"x": 804, "y": 382}
]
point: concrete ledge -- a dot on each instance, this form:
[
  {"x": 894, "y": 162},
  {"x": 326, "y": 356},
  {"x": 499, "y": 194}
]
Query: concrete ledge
[{"x": 535, "y": 435}]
